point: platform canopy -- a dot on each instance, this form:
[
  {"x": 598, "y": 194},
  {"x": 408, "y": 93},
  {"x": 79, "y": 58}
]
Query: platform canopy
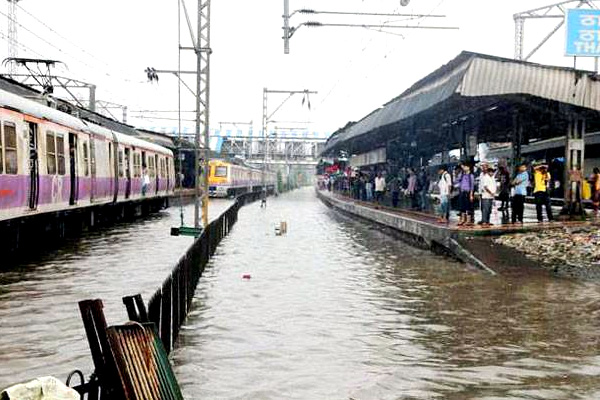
[{"x": 481, "y": 96}]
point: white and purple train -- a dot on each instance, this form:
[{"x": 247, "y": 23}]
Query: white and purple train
[{"x": 51, "y": 161}]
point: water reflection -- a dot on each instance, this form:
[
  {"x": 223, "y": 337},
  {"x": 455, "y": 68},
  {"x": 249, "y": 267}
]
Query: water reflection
[{"x": 337, "y": 310}]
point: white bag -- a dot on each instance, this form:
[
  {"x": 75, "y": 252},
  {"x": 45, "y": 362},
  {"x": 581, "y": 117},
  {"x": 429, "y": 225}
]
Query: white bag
[{"x": 46, "y": 388}]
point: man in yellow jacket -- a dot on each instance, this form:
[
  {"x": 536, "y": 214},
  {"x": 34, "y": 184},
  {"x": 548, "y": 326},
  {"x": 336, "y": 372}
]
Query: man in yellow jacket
[{"x": 542, "y": 178}]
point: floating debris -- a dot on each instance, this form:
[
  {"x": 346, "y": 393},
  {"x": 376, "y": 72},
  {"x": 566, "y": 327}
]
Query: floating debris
[
  {"x": 281, "y": 229},
  {"x": 578, "y": 247}
]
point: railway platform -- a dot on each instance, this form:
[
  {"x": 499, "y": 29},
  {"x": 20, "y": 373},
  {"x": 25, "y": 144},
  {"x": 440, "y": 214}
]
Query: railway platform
[{"x": 471, "y": 244}]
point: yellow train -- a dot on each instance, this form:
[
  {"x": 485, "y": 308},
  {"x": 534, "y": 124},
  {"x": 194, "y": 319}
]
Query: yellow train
[{"x": 231, "y": 179}]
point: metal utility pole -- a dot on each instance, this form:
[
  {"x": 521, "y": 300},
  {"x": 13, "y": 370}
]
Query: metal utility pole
[
  {"x": 265, "y": 126},
  {"x": 265, "y": 137},
  {"x": 201, "y": 46},
  {"x": 286, "y": 27},
  {"x": 203, "y": 52},
  {"x": 553, "y": 11},
  {"x": 13, "y": 49}
]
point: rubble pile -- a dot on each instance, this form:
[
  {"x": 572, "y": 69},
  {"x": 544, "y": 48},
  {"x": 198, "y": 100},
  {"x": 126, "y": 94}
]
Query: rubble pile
[{"x": 578, "y": 248}]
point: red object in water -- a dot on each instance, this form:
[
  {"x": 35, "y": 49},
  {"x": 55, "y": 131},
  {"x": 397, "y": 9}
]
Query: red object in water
[{"x": 246, "y": 276}]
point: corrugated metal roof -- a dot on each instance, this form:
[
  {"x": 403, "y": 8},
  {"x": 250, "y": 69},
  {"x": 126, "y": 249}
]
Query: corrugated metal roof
[{"x": 478, "y": 75}]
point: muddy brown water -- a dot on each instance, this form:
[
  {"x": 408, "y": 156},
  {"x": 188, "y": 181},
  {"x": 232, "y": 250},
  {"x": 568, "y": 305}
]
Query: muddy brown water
[
  {"x": 335, "y": 309},
  {"x": 40, "y": 327}
]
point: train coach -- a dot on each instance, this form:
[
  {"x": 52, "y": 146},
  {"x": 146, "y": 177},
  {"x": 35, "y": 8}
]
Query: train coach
[
  {"x": 228, "y": 179},
  {"x": 51, "y": 161}
]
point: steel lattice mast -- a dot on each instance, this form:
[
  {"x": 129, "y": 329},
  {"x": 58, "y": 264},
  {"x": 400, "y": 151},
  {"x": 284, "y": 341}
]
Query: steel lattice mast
[
  {"x": 552, "y": 11},
  {"x": 13, "y": 50},
  {"x": 203, "y": 51}
]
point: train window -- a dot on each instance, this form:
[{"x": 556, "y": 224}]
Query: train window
[
  {"x": 50, "y": 153},
  {"x": 221, "y": 172},
  {"x": 137, "y": 165},
  {"x": 121, "y": 169},
  {"x": 10, "y": 148},
  {"x": 86, "y": 160},
  {"x": 60, "y": 154},
  {"x": 151, "y": 167}
]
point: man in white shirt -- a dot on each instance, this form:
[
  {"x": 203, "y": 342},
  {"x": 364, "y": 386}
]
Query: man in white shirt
[
  {"x": 444, "y": 184},
  {"x": 488, "y": 186},
  {"x": 379, "y": 187}
]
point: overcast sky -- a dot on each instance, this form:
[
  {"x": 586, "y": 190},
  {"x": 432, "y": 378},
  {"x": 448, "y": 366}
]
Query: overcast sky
[{"x": 355, "y": 70}]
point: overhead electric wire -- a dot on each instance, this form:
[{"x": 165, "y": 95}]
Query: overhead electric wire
[
  {"x": 161, "y": 118},
  {"x": 76, "y": 46},
  {"x": 3, "y": 36},
  {"x": 67, "y": 54},
  {"x": 367, "y": 14},
  {"x": 161, "y": 111},
  {"x": 388, "y": 53}
]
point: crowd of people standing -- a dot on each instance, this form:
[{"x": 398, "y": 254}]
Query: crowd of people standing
[{"x": 462, "y": 187}]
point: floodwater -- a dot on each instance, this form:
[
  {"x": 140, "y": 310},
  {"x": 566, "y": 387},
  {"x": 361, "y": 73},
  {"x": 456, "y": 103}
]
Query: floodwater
[
  {"x": 337, "y": 309},
  {"x": 40, "y": 327}
]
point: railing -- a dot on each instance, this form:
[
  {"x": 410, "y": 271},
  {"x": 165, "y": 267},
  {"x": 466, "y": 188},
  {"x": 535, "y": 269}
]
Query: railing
[
  {"x": 169, "y": 305},
  {"x": 167, "y": 308}
]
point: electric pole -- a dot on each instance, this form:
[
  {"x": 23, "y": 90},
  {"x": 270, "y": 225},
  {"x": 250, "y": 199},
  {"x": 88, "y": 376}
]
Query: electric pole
[
  {"x": 554, "y": 11},
  {"x": 203, "y": 52},
  {"x": 201, "y": 46},
  {"x": 13, "y": 50}
]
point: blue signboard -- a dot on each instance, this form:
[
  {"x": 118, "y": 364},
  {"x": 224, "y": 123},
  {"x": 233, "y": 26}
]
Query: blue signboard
[{"x": 583, "y": 33}]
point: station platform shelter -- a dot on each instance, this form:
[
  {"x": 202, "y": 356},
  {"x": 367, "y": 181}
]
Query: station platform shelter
[{"x": 474, "y": 99}]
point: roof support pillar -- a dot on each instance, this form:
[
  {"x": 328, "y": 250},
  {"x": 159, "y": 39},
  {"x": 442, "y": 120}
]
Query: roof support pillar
[
  {"x": 517, "y": 138},
  {"x": 468, "y": 148},
  {"x": 574, "y": 167},
  {"x": 472, "y": 140},
  {"x": 446, "y": 135}
]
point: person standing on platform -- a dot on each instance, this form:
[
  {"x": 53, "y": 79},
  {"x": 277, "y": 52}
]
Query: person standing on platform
[
  {"x": 488, "y": 188},
  {"x": 542, "y": 179},
  {"x": 596, "y": 190},
  {"x": 422, "y": 188},
  {"x": 520, "y": 185},
  {"x": 379, "y": 188},
  {"x": 394, "y": 187},
  {"x": 411, "y": 189},
  {"x": 466, "y": 194},
  {"x": 445, "y": 185},
  {"x": 504, "y": 195},
  {"x": 363, "y": 186},
  {"x": 369, "y": 187}
]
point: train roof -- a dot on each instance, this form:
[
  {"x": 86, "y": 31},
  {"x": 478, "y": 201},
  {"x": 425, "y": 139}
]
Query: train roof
[
  {"x": 234, "y": 161},
  {"x": 31, "y": 107}
]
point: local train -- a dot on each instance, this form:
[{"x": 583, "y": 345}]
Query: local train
[
  {"x": 51, "y": 161},
  {"x": 228, "y": 179}
]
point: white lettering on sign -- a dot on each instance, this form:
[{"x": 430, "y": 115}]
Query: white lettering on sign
[
  {"x": 587, "y": 47},
  {"x": 583, "y": 32},
  {"x": 589, "y": 36},
  {"x": 589, "y": 20}
]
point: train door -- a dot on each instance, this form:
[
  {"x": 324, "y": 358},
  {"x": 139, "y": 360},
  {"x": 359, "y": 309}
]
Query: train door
[
  {"x": 168, "y": 171},
  {"x": 112, "y": 173},
  {"x": 116, "y": 164},
  {"x": 127, "y": 172},
  {"x": 73, "y": 169},
  {"x": 34, "y": 172},
  {"x": 92, "y": 168},
  {"x": 156, "y": 172}
]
